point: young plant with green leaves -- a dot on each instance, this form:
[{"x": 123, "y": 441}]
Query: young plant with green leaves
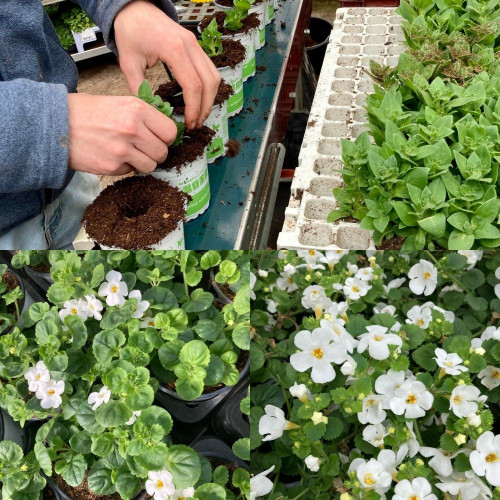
[
  {"x": 146, "y": 94},
  {"x": 235, "y": 16},
  {"x": 9, "y": 299},
  {"x": 211, "y": 40}
]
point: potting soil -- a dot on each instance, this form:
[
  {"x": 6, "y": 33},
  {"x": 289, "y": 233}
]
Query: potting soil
[
  {"x": 233, "y": 52},
  {"x": 136, "y": 212},
  {"x": 250, "y": 22},
  {"x": 81, "y": 492}
]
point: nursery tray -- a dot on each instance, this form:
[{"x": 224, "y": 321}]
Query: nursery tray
[
  {"x": 358, "y": 36},
  {"x": 239, "y": 184},
  {"x": 194, "y": 12}
]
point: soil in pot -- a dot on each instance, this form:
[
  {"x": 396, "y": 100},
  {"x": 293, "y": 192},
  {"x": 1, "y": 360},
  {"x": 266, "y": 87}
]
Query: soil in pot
[
  {"x": 233, "y": 52},
  {"x": 192, "y": 148},
  {"x": 394, "y": 243},
  {"x": 135, "y": 212},
  {"x": 250, "y": 22},
  {"x": 172, "y": 93}
]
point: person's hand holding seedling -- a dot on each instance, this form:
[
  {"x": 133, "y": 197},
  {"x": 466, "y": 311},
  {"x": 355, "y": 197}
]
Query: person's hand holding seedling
[{"x": 145, "y": 35}]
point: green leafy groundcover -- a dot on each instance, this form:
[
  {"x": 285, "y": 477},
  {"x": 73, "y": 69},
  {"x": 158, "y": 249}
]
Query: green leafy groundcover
[
  {"x": 89, "y": 361},
  {"x": 375, "y": 375},
  {"x": 67, "y": 19},
  {"x": 431, "y": 175}
]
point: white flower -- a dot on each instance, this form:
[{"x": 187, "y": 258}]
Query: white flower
[
  {"x": 314, "y": 298},
  {"x": 377, "y": 341},
  {"x": 419, "y": 489},
  {"x": 411, "y": 399},
  {"x": 98, "y": 398},
  {"x": 335, "y": 328},
  {"x": 473, "y": 256},
  {"x": 331, "y": 257},
  {"x": 76, "y": 307},
  {"x": 310, "y": 256},
  {"x": 339, "y": 310},
  {"x": 381, "y": 308},
  {"x": 375, "y": 434},
  {"x": 420, "y": 316},
  {"x": 114, "y": 289},
  {"x": 37, "y": 375},
  {"x": 396, "y": 283},
  {"x": 354, "y": 288},
  {"x": 390, "y": 460},
  {"x": 272, "y": 306},
  {"x": 373, "y": 410},
  {"x": 449, "y": 363},
  {"x": 473, "y": 419},
  {"x": 95, "y": 306},
  {"x": 448, "y": 315},
  {"x": 273, "y": 423},
  {"x": 490, "y": 377},
  {"x": 318, "y": 352},
  {"x": 301, "y": 392},
  {"x": 160, "y": 484},
  {"x": 318, "y": 418},
  {"x": 148, "y": 322},
  {"x": 463, "y": 400},
  {"x": 441, "y": 460},
  {"x": 485, "y": 459},
  {"x": 371, "y": 475},
  {"x": 260, "y": 484},
  {"x": 412, "y": 442},
  {"x": 386, "y": 385},
  {"x": 423, "y": 278},
  {"x": 490, "y": 333},
  {"x": 142, "y": 305},
  {"x": 349, "y": 367},
  {"x": 181, "y": 494},
  {"x": 262, "y": 273},
  {"x": 134, "y": 417},
  {"x": 365, "y": 274},
  {"x": 313, "y": 463},
  {"x": 253, "y": 280},
  {"x": 285, "y": 282},
  {"x": 50, "y": 393},
  {"x": 467, "y": 484}
]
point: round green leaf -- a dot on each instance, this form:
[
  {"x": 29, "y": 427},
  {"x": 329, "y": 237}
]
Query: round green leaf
[
  {"x": 184, "y": 465},
  {"x": 113, "y": 414},
  {"x": 103, "y": 445},
  {"x": 195, "y": 353}
]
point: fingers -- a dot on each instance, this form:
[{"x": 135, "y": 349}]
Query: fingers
[
  {"x": 160, "y": 125},
  {"x": 140, "y": 162},
  {"x": 122, "y": 170},
  {"x": 149, "y": 144},
  {"x": 134, "y": 70}
]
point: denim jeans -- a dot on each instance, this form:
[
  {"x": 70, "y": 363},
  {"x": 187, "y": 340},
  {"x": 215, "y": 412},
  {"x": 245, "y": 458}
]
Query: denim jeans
[{"x": 56, "y": 227}]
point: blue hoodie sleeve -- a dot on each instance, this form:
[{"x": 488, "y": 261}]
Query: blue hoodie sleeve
[
  {"x": 35, "y": 135},
  {"x": 103, "y": 13}
]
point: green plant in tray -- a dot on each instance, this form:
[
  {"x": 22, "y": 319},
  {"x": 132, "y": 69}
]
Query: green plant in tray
[{"x": 211, "y": 39}]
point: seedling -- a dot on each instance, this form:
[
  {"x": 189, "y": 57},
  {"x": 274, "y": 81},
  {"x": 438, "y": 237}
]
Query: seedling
[
  {"x": 234, "y": 17},
  {"x": 211, "y": 40}
]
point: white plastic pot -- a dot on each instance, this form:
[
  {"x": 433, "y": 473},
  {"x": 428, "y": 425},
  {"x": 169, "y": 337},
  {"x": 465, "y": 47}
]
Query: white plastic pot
[
  {"x": 234, "y": 77},
  {"x": 248, "y": 41},
  {"x": 217, "y": 121},
  {"x": 270, "y": 12},
  {"x": 191, "y": 178},
  {"x": 260, "y": 38}
]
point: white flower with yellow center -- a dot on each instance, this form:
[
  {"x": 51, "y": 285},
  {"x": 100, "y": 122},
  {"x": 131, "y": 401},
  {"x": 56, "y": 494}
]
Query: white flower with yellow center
[
  {"x": 382, "y": 308},
  {"x": 182, "y": 494},
  {"x": 332, "y": 257},
  {"x": 37, "y": 375},
  {"x": 473, "y": 256},
  {"x": 464, "y": 399},
  {"x": 418, "y": 489},
  {"x": 114, "y": 289},
  {"x": 375, "y": 434},
  {"x": 365, "y": 274},
  {"x": 160, "y": 484},
  {"x": 312, "y": 463},
  {"x": 338, "y": 310},
  {"x": 318, "y": 352},
  {"x": 441, "y": 460},
  {"x": 147, "y": 322},
  {"x": 273, "y": 423},
  {"x": 395, "y": 283},
  {"x": 423, "y": 278},
  {"x": 485, "y": 459},
  {"x": 420, "y": 316},
  {"x": 373, "y": 410},
  {"x": 95, "y": 306},
  {"x": 386, "y": 385},
  {"x": 371, "y": 475},
  {"x": 490, "y": 377},
  {"x": 49, "y": 393},
  {"x": 142, "y": 305},
  {"x": 98, "y": 398},
  {"x": 285, "y": 281},
  {"x": 354, "y": 288},
  {"x": 260, "y": 484},
  {"x": 411, "y": 399},
  {"x": 449, "y": 362},
  {"x": 377, "y": 341},
  {"x": 335, "y": 328},
  {"x": 314, "y": 298},
  {"x": 311, "y": 256},
  {"x": 301, "y": 392},
  {"x": 75, "y": 307},
  {"x": 466, "y": 484}
]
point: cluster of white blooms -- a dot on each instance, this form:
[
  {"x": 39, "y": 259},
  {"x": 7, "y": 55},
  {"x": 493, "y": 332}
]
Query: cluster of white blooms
[
  {"x": 160, "y": 486},
  {"x": 48, "y": 391}
]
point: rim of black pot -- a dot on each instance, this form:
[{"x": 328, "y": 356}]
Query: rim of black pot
[{"x": 220, "y": 294}]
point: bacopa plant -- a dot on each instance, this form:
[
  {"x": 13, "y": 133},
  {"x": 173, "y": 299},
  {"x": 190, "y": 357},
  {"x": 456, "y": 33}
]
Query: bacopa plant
[
  {"x": 375, "y": 375},
  {"x": 431, "y": 175}
]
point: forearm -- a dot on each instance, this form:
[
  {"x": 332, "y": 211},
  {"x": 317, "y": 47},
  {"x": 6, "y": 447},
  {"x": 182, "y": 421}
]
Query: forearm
[{"x": 34, "y": 142}]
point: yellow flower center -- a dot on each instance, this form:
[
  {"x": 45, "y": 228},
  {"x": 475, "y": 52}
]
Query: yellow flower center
[
  {"x": 492, "y": 457},
  {"x": 427, "y": 275},
  {"x": 420, "y": 322},
  {"x": 411, "y": 399},
  {"x": 371, "y": 402},
  {"x": 74, "y": 310},
  {"x": 312, "y": 252},
  {"x": 355, "y": 289},
  {"x": 414, "y": 497},
  {"x": 448, "y": 363},
  {"x": 315, "y": 292},
  {"x": 318, "y": 353},
  {"x": 457, "y": 399},
  {"x": 151, "y": 323},
  {"x": 369, "y": 479},
  {"x": 337, "y": 330},
  {"x": 38, "y": 376},
  {"x": 496, "y": 374},
  {"x": 114, "y": 289},
  {"x": 378, "y": 338},
  {"x": 159, "y": 484},
  {"x": 290, "y": 280},
  {"x": 51, "y": 392}
]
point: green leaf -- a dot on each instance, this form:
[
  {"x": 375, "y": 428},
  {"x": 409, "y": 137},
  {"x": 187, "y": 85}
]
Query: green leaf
[
  {"x": 241, "y": 336},
  {"x": 106, "y": 345},
  {"x": 242, "y": 300},
  {"x": 184, "y": 465},
  {"x": 100, "y": 479},
  {"x": 127, "y": 485},
  {"x": 207, "y": 329},
  {"x": 38, "y": 310},
  {"x": 461, "y": 463},
  {"x": 434, "y": 225},
  {"x": 74, "y": 472},
  {"x": 103, "y": 445},
  {"x": 10, "y": 453},
  {"x": 113, "y": 414},
  {"x": 424, "y": 355},
  {"x": 241, "y": 448},
  {"x": 403, "y": 210},
  {"x": 155, "y": 458},
  {"x": 447, "y": 443},
  {"x": 189, "y": 389},
  {"x": 210, "y": 491},
  {"x": 156, "y": 415},
  {"x": 210, "y": 259},
  {"x": 460, "y": 241},
  {"x": 200, "y": 301},
  {"x": 115, "y": 317},
  {"x": 43, "y": 457},
  {"x": 220, "y": 475},
  {"x": 195, "y": 353}
]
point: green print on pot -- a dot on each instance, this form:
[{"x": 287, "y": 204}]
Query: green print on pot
[
  {"x": 200, "y": 192},
  {"x": 249, "y": 65},
  {"x": 215, "y": 148},
  {"x": 235, "y": 102},
  {"x": 217, "y": 121},
  {"x": 270, "y": 10}
]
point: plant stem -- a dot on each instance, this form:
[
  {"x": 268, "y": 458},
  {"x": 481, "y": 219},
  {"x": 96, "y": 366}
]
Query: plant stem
[
  {"x": 301, "y": 494},
  {"x": 185, "y": 284},
  {"x": 416, "y": 428},
  {"x": 438, "y": 264}
]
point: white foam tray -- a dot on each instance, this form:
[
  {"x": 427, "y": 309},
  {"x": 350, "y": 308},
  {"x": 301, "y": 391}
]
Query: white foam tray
[{"x": 359, "y": 35}]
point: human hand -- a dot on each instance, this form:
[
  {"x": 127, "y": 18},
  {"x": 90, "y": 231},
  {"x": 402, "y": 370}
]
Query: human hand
[
  {"x": 112, "y": 135},
  {"x": 164, "y": 40}
]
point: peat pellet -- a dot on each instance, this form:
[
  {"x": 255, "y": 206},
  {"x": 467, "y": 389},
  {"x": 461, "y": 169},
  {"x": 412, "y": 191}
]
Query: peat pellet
[{"x": 135, "y": 213}]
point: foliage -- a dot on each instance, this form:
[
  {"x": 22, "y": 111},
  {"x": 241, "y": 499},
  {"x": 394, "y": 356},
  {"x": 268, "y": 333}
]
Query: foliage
[
  {"x": 211, "y": 39},
  {"x": 8, "y": 301},
  {"x": 235, "y": 16}
]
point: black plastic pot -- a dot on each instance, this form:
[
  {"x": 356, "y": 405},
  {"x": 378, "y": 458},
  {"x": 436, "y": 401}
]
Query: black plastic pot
[
  {"x": 60, "y": 495},
  {"x": 227, "y": 421},
  {"x": 194, "y": 411},
  {"x": 320, "y": 30},
  {"x": 218, "y": 290},
  {"x": 212, "y": 447},
  {"x": 12, "y": 431},
  {"x": 42, "y": 280}
]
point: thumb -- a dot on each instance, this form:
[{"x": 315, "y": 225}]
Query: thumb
[{"x": 135, "y": 72}]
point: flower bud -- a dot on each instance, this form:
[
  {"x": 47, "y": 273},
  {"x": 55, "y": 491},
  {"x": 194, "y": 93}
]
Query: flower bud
[
  {"x": 474, "y": 420},
  {"x": 460, "y": 439},
  {"x": 319, "y": 418}
]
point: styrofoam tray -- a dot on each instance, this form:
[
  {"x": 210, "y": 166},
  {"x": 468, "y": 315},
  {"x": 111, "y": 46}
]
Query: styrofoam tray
[
  {"x": 195, "y": 12},
  {"x": 359, "y": 35}
]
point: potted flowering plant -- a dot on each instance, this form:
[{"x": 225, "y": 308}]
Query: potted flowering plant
[{"x": 375, "y": 374}]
